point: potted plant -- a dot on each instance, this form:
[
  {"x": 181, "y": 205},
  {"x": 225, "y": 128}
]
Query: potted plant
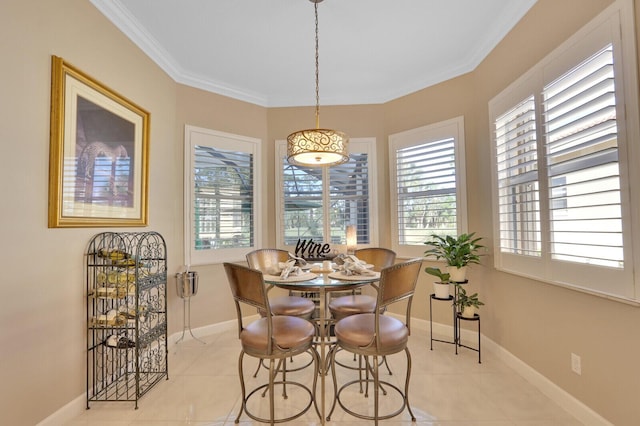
[
  {"x": 458, "y": 252},
  {"x": 440, "y": 288},
  {"x": 467, "y": 304}
]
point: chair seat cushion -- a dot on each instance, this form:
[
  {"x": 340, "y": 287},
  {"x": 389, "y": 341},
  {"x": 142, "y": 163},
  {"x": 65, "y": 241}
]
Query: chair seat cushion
[
  {"x": 358, "y": 331},
  {"x": 292, "y": 305},
  {"x": 343, "y": 306},
  {"x": 289, "y": 333}
]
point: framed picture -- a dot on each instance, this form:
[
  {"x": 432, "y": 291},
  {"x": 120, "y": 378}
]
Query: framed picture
[{"x": 98, "y": 161}]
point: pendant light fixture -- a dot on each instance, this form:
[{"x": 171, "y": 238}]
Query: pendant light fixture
[{"x": 317, "y": 147}]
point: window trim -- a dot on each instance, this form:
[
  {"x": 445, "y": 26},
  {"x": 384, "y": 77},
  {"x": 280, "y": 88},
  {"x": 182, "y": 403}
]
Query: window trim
[
  {"x": 617, "y": 23},
  {"x": 453, "y": 127},
  {"x": 360, "y": 145},
  {"x": 200, "y": 136}
]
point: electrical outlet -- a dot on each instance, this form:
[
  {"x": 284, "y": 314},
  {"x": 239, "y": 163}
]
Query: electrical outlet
[{"x": 576, "y": 364}]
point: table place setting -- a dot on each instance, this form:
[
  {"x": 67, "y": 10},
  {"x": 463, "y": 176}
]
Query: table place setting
[
  {"x": 353, "y": 268},
  {"x": 288, "y": 272}
]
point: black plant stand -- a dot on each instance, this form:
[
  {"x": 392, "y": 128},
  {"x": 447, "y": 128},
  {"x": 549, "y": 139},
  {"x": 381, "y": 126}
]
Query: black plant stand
[
  {"x": 453, "y": 307},
  {"x": 459, "y": 318}
]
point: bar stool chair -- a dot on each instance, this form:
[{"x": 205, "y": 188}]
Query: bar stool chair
[
  {"x": 379, "y": 257},
  {"x": 344, "y": 306},
  {"x": 272, "y": 337},
  {"x": 266, "y": 260},
  {"x": 373, "y": 335}
]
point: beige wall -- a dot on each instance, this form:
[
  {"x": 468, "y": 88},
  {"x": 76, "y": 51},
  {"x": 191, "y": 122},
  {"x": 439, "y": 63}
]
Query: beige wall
[
  {"x": 543, "y": 324},
  {"x": 203, "y": 109},
  {"x": 42, "y": 309}
]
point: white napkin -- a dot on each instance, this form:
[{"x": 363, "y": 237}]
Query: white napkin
[
  {"x": 285, "y": 269},
  {"x": 289, "y": 269},
  {"x": 300, "y": 261},
  {"x": 354, "y": 266}
]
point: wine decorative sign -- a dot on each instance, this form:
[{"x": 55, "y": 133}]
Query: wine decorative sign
[{"x": 309, "y": 249}]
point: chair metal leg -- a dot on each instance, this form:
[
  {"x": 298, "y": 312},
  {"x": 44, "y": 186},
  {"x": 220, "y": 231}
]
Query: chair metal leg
[
  {"x": 266, "y": 389},
  {"x": 258, "y": 369},
  {"x": 332, "y": 361},
  {"x": 384, "y": 360},
  {"x": 406, "y": 384},
  {"x": 272, "y": 407},
  {"x": 369, "y": 369},
  {"x": 366, "y": 376},
  {"x": 242, "y": 387},
  {"x": 376, "y": 390},
  {"x": 360, "y": 371},
  {"x": 284, "y": 377},
  {"x": 316, "y": 372}
]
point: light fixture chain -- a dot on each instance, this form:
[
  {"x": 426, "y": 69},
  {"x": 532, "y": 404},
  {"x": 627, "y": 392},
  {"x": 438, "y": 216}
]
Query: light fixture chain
[
  {"x": 317, "y": 71},
  {"x": 317, "y": 147}
]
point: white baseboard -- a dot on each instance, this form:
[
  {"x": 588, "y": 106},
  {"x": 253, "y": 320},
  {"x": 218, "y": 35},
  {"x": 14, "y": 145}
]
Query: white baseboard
[
  {"x": 67, "y": 413},
  {"x": 576, "y": 408}
]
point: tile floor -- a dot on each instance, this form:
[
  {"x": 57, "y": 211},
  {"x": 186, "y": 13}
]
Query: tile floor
[{"x": 446, "y": 389}]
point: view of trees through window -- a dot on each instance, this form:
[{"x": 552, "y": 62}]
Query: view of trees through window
[
  {"x": 426, "y": 181},
  {"x": 223, "y": 198},
  {"x": 345, "y": 188}
]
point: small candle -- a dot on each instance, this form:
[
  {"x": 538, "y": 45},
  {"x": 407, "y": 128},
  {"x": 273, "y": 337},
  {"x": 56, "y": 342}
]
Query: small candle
[{"x": 352, "y": 239}]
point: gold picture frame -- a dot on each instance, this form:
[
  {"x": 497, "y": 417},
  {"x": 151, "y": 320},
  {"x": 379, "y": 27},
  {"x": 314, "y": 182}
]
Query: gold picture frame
[{"x": 99, "y": 149}]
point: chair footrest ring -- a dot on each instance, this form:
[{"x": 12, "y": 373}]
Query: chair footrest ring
[
  {"x": 365, "y": 416},
  {"x": 284, "y": 420}
]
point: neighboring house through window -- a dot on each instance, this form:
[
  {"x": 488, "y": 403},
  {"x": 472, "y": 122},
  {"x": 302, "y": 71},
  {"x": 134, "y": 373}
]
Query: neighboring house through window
[{"x": 561, "y": 163}]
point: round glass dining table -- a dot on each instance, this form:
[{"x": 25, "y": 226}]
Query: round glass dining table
[{"x": 323, "y": 283}]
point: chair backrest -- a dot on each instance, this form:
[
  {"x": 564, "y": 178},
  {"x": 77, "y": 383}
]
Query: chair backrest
[
  {"x": 377, "y": 256},
  {"x": 398, "y": 282},
  {"x": 266, "y": 259},
  {"x": 247, "y": 286}
]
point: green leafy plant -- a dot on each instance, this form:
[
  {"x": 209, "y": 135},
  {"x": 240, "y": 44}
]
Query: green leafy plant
[
  {"x": 463, "y": 299},
  {"x": 456, "y": 251},
  {"x": 436, "y": 272}
]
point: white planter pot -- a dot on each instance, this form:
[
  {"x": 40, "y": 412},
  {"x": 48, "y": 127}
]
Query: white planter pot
[
  {"x": 469, "y": 311},
  {"x": 457, "y": 274},
  {"x": 441, "y": 290}
]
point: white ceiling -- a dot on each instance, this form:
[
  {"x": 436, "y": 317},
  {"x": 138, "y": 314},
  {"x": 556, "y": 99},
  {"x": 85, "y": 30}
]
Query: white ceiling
[{"x": 262, "y": 51}]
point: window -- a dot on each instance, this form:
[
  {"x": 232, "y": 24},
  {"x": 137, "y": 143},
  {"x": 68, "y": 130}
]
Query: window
[
  {"x": 562, "y": 209},
  {"x": 221, "y": 196},
  {"x": 427, "y": 185},
  {"x": 317, "y": 203}
]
